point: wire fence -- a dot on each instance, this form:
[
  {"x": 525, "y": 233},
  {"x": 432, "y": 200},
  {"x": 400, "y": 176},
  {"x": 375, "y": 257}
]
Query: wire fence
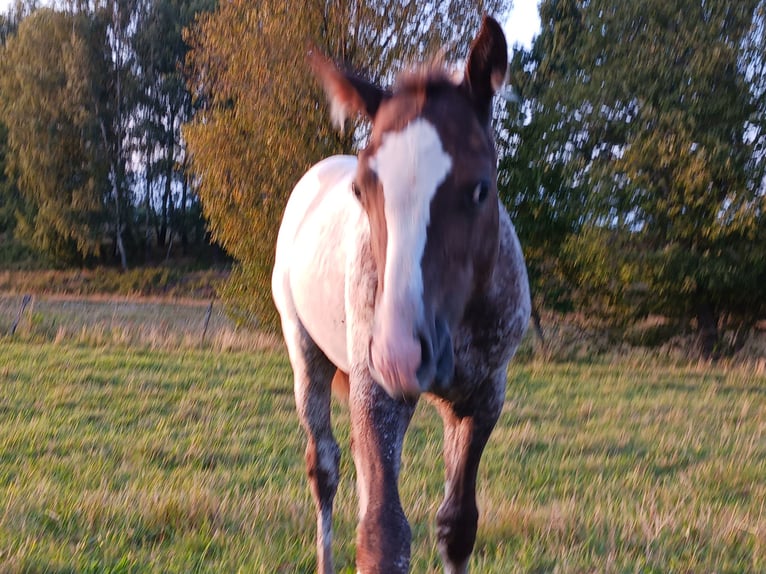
[{"x": 152, "y": 323}]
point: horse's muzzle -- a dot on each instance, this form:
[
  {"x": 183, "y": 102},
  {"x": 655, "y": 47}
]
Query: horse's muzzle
[{"x": 406, "y": 366}]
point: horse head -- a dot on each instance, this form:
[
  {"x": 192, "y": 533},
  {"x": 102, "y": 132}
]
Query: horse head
[{"x": 427, "y": 182}]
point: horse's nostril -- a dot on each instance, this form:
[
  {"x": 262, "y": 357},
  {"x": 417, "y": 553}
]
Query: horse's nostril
[
  {"x": 425, "y": 371},
  {"x": 426, "y": 352}
]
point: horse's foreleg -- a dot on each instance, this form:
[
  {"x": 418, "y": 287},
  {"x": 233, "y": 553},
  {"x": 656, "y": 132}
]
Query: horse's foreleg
[
  {"x": 466, "y": 432},
  {"x": 378, "y": 424},
  {"x": 313, "y": 374}
]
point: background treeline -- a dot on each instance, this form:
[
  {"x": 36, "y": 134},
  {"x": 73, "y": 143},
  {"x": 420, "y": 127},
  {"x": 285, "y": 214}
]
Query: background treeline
[
  {"x": 93, "y": 167},
  {"x": 634, "y": 162},
  {"x": 631, "y": 141}
]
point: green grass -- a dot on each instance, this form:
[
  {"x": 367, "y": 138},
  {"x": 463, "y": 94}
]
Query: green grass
[{"x": 129, "y": 459}]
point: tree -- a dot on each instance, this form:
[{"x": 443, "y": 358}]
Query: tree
[
  {"x": 99, "y": 88},
  {"x": 658, "y": 111},
  {"x": 11, "y": 201},
  {"x": 261, "y": 126},
  {"x": 110, "y": 28},
  {"x": 537, "y": 176},
  {"x": 55, "y": 151},
  {"x": 682, "y": 169},
  {"x": 67, "y": 85},
  {"x": 754, "y": 65},
  {"x": 15, "y": 13},
  {"x": 166, "y": 104}
]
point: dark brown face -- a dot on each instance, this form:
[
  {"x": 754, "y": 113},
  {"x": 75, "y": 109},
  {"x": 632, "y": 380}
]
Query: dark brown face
[{"x": 427, "y": 183}]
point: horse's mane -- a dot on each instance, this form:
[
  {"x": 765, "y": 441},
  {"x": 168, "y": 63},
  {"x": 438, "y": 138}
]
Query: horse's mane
[{"x": 426, "y": 77}]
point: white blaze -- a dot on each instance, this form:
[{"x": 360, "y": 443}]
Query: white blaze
[{"x": 410, "y": 164}]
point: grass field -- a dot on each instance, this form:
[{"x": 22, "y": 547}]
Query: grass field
[{"x": 123, "y": 458}]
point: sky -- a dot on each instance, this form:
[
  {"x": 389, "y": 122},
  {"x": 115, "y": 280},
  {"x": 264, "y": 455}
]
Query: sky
[{"x": 522, "y": 25}]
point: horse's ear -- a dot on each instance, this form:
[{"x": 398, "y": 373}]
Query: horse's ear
[
  {"x": 348, "y": 94},
  {"x": 486, "y": 66}
]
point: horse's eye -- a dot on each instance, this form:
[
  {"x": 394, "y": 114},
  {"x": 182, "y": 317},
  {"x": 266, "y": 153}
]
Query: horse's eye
[
  {"x": 480, "y": 192},
  {"x": 356, "y": 190}
]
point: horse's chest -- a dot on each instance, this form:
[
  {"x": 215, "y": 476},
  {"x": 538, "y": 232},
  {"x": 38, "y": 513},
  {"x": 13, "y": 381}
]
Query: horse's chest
[
  {"x": 481, "y": 346},
  {"x": 493, "y": 325}
]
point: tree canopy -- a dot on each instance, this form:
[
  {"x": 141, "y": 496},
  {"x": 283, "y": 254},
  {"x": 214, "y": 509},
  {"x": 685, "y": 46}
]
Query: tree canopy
[
  {"x": 647, "y": 109},
  {"x": 263, "y": 122},
  {"x": 92, "y": 98},
  {"x": 54, "y": 143}
]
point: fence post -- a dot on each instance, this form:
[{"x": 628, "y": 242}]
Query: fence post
[
  {"x": 207, "y": 321},
  {"x": 24, "y": 302}
]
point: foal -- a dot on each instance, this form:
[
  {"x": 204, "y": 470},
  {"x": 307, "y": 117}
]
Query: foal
[{"x": 399, "y": 272}]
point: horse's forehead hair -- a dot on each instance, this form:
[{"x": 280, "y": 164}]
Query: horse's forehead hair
[
  {"x": 402, "y": 159},
  {"x": 410, "y": 164}
]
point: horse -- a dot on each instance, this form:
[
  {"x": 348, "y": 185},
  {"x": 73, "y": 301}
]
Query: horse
[{"x": 398, "y": 273}]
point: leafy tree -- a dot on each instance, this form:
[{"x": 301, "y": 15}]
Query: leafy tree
[
  {"x": 754, "y": 64},
  {"x": 13, "y": 252},
  {"x": 9, "y": 194},
  {"x": 54, "y": 149},
  {"x": 261, "y": 125},
  {"x": 657, "y": 102},
  {"x": 67, "y": 86},
  {"x": 107, "y": 80},
  {"x": 681, "y": 176},
  {"x": 14, "y": 14},
  {"x": 539, "y": 159},
  {"x": 166, "y": 103},
  {"x": 10, "y": 198},
  {"x": 114, "y": 109}
]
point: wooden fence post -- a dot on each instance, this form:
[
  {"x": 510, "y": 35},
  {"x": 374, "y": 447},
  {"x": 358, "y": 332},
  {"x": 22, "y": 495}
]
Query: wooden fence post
[
  {"x": 207, "y": 321},
  {"x": 24, "y": 302}
]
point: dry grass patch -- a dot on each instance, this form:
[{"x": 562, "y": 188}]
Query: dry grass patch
[{"x": 131, "y": 322}]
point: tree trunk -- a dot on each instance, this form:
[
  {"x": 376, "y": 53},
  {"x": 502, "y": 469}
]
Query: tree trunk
[
  {"x": 182, "y": 216},
  {"x": 707, "y": 331},
  {"x": 167, "y": 195},
  {"x": 118, "y": 224},
  {"x": 170, "y": 246},
  {"x": 162, "y": 238},
  {"x": 148, "y": 208},
  {"x": 117, "y": 164},
  {"x": 121, "y": 251}
]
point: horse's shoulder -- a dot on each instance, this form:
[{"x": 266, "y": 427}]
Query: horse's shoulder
[
  {"x": 509, "y": 284},
  {"x": 315, "y": 192},
  {"x": 314, "y": 242},
  {"x": 509, "y": 288},
  {"x": 497, "y": 317}
]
